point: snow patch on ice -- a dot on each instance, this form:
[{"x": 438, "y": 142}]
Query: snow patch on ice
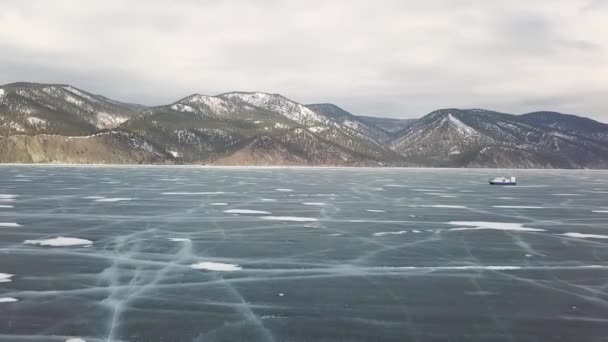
[
  {"x": 114, "y": 199},
  {"x": 480, "y": 225},
  {"x": 5, "y": 277},
  {"x": 290, "y": 218},
  {"x": 216, "y": 266},
  {"x": 246, "y": 211},
  {"x": 459, "y": 268},
  {"x": 60, "y": 242},
  {"x": 218, "y": 204},
  {"x": 9, "y": 224},
  {"x": 284, "y": 190},
  {"x": 75, "y": 339},
  {"x": 516, "y": 207},
  {"x": 8, "y": 300},
  {"x": 600, "y": 211},
  {"x": 375, "y": 211},
  {"x": 390, "y": 233},
  {"x": 585, "y": 236},
  {"x": 179, "y": 193},
  {"x": 179, "y": 239}
]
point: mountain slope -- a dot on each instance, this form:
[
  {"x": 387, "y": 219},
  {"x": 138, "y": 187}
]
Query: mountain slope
[
  {"x": 298, "y": 146},
  {"x": 32, "y": 108},
  {"x": 101, "y": 148},
  {"x": 351, "y": 121},
  {"x": 201, "y": 128},
  {"x": 204, "y": 129},
  {"x": 324, "y": 126},
  {"x": 388, "y": 125},
  {"x": 481, "y": 138}
]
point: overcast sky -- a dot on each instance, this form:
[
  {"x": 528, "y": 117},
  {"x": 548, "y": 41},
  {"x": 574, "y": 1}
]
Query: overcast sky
[{"x": 384, "y": 58}]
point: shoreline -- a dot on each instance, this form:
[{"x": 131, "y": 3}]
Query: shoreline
[{"x": 301, "y": 167}]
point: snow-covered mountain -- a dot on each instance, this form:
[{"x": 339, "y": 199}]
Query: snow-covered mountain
[
  {"x": 482, "y": 138},
  {"x": 32, "y": 108},
  {"x": 59, "y": 123},
  {"x": 203, "y": 129}
]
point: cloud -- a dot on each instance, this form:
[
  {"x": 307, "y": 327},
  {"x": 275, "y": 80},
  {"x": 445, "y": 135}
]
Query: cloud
[{"x": 399, "y": 58}]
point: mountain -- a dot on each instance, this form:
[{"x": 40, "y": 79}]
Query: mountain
[
  {"x": 32, "y": 108},
  {"x": 54, "y": 123},
  {"x": 267, "y": 128},
  {"x": 389, "y": 125},
  {"x": 342, "y": 117},
  {"x": 482, "y": 138}
]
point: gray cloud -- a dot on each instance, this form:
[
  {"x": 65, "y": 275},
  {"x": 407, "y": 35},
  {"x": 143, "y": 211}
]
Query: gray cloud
[{"x": 398, "y": 58}]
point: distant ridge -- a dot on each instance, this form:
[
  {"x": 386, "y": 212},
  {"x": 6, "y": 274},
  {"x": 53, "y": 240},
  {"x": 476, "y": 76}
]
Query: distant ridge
[{"x": 38, "y": 123}]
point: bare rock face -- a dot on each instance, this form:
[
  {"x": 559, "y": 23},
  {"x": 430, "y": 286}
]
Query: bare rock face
[{"x": 104, "y": 148}]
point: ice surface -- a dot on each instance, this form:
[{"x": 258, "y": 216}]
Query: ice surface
[
  {"x": 340, "y": 279},
  {"x": 218, "y": 204},
  {"x": 493, "y": 225},
  {"x": 447, "y": 206},
  {"x": 585, "y": 236},
  {"x": 246, "y": 211},
  {"x": 60, "y": 242},
  {"x": 216, "y": 266},
  {"x": 75, "y": 339},
  {"x": 290, "y": 218}
]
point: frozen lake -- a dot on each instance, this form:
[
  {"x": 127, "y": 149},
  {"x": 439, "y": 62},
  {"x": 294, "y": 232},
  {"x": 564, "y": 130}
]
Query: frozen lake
[{"x": 212, "y": 254}]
